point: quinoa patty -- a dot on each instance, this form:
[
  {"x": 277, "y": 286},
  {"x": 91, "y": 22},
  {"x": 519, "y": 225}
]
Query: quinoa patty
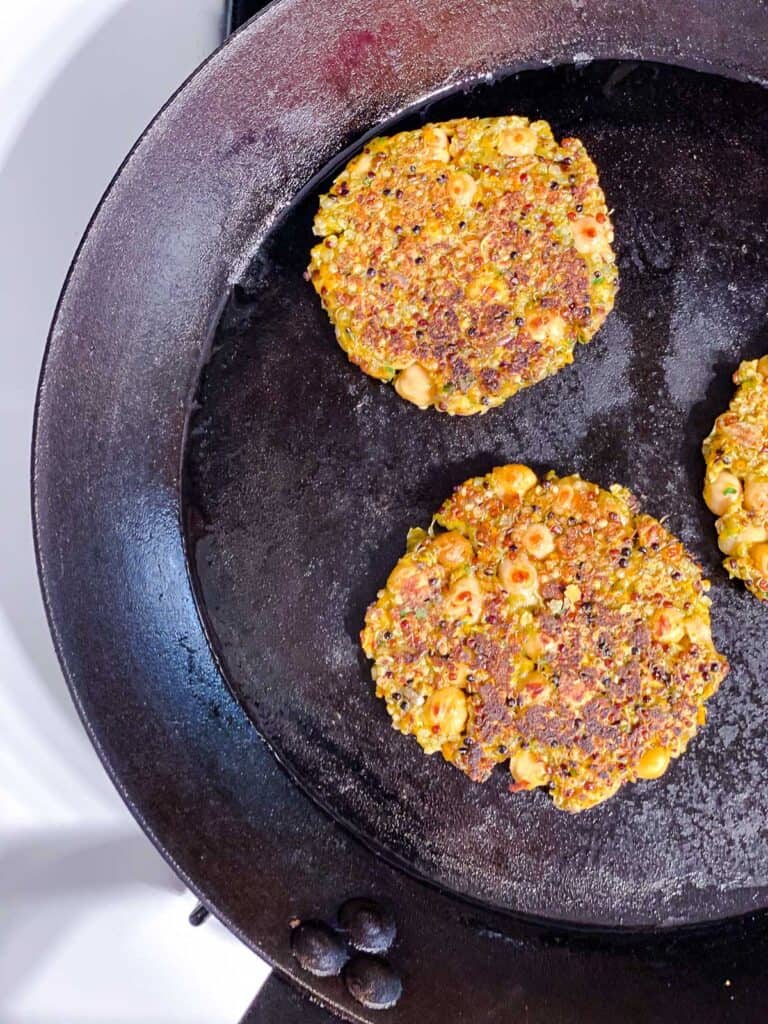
[
  {"x": 463, "y": 261},
  {"x": 736, "y": 483},
  {"x": 549, "y": 624}
]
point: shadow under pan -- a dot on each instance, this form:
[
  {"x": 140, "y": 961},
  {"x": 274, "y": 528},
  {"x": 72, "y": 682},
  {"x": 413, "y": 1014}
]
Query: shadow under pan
[{"x": 302, "y": 477}]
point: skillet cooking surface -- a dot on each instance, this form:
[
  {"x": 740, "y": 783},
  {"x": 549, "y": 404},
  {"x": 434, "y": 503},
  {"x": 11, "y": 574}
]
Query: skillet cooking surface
[{"x": 303, "y": 476}]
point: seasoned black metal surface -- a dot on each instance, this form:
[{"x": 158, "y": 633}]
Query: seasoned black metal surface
[{"x": 304, "y": 476}]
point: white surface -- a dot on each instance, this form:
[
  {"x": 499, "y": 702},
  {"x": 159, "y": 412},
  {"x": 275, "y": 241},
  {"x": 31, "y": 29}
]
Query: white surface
[{"x": 92, "y": 922}]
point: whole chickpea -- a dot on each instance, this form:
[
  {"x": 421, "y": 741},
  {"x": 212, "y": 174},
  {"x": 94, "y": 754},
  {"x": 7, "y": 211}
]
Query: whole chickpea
[
  {"x": 414, "y": 384},
  {"x": 722, "y": 492},
  {"x": 513, "y": 480},
  {"x": 445, "y": 712},
  {"x": 653, "y": 763},
  {"x": 452, "y": 549}
]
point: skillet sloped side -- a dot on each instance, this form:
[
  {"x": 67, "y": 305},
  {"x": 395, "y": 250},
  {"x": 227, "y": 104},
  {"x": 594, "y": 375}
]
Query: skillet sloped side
[
  {"x": 305, "y": 477},
  {"x": 129, "y": 336}
]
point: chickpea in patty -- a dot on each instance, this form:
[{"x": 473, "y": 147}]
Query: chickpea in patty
[
  {"x": 736, "y": 481},
  {"x": 463, "y": 261},
  {"x": 549, "y": 624}
]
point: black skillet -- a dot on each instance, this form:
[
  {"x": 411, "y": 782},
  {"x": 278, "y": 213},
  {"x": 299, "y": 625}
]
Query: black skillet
[{"x": 218, "y": 495}]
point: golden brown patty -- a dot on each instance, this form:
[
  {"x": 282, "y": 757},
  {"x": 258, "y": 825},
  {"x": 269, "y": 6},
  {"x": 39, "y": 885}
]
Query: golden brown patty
[
  {"x": 736, "y": 483},
  {"x": 463, "y": 261},
  {"x": 553, "y": 626}
]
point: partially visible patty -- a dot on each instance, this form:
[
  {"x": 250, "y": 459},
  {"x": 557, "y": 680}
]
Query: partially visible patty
[
  {"x": 463, "y": 261},
  {"x": 550, "y": 624},
  {"x": 736, "y": 483}
]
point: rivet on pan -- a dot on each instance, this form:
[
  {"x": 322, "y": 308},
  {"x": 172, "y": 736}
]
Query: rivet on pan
[
  {"x": 372, "y": 982},
  {"x": 369, "y": 926},
  {"x": 318, "y": 949}
]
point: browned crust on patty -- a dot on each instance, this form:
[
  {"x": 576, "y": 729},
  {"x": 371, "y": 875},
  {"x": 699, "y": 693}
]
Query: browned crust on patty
[
  {"x": 736, "y": 484},
  {"x": 485, "y": 291},
  {"x": 552, "y": 625}
]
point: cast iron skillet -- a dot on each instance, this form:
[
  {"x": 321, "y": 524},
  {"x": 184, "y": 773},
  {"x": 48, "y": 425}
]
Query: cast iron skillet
[{"x": 218, "y": 495}]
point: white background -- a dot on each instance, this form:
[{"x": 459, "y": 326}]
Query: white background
[{"x": 92, "y": 922}]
